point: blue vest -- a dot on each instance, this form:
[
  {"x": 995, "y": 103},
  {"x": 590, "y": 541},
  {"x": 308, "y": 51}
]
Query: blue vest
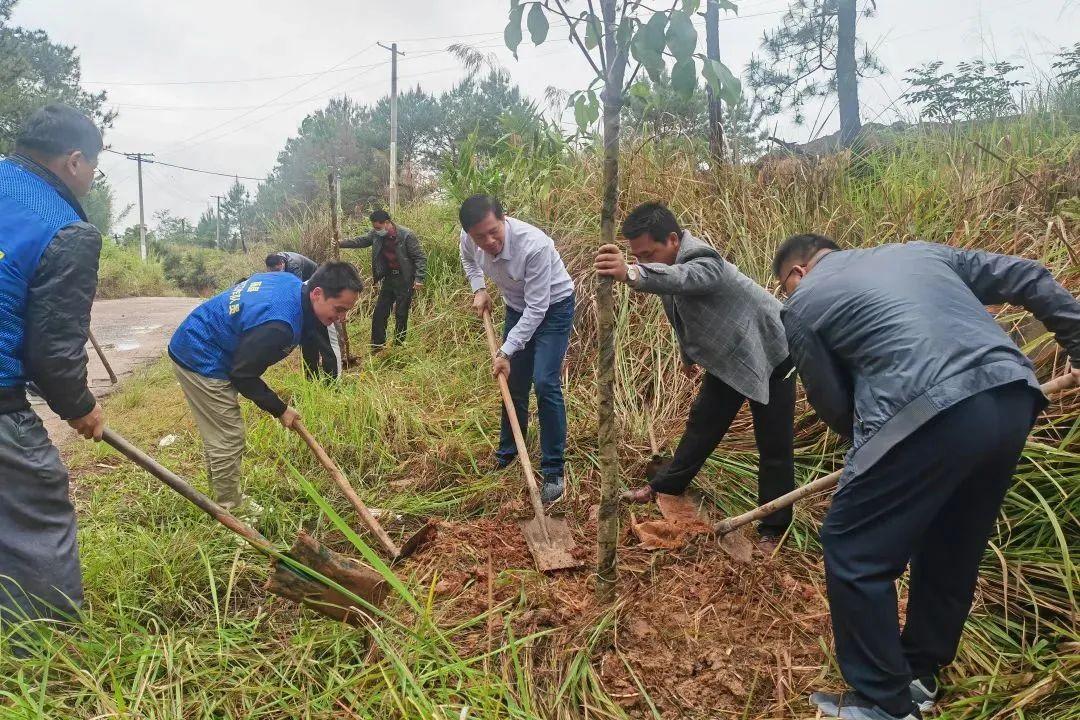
[
  {"x": 31, "y": 213},
  {"x": 205, "y": 342}
]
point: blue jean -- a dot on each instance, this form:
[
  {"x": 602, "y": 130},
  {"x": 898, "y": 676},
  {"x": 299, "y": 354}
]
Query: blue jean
[{"x": 539, "y": 365}]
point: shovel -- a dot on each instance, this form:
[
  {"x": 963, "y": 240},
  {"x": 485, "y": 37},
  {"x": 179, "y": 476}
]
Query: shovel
[
  {"x": 1058, "y": 384},
  {"x": 549, "y": 539},
  {"x": 422, "y": 536},
  {"x": 287, "y": 581}
]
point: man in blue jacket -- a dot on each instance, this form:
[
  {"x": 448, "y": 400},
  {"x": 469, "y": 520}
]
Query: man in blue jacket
[
  {"x": 48, "y": 277},
  {"x": 896, "y": 351},
  {"x": 227, "y": 343}
]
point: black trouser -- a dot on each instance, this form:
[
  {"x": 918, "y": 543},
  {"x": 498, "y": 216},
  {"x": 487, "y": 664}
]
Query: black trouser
[
  {"x": 932, "y": 500},
  {"x": 395, "y": 292},
  {"x": 710, "y": 417}
]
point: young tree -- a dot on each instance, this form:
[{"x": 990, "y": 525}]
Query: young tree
[
  {"x": 623, "y": 29},
  {"x": 813, "y": 55},
  {"x": 976, "y": 91}
]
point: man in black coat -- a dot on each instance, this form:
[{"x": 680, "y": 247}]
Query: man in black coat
[{"x": 896, "y": 351}]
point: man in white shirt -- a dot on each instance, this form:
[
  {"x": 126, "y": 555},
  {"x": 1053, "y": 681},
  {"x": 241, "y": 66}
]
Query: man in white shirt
[{"x": 539, "y": 296}]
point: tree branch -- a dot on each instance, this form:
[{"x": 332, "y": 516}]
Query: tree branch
[
  {"x": 577, "y": 40},
  {"x": 599, "y": 45}
]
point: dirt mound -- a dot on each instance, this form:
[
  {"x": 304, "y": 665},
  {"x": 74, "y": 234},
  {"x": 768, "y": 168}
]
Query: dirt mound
[{"x": 696, "y": 634}]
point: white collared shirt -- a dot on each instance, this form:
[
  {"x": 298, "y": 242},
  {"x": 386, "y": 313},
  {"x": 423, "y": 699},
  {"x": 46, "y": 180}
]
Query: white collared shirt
[{"x": 528, "y": 271}]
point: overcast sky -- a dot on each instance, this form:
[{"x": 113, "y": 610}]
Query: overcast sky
[{"x": 220, "y": 85}]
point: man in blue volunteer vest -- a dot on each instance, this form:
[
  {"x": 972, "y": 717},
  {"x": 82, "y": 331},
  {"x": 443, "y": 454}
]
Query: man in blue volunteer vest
[
  {"x": 227, "y": 343},
  {"x": 48, "y": 277}
]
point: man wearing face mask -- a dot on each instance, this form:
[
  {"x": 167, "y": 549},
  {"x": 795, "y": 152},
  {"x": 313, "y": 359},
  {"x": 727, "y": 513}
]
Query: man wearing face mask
[
  {"x": 227, "y": 343},
  {"x": 48, "y": 277},
  {"x": 398, "y": 266},
  {"x": 539, "y": 296}
]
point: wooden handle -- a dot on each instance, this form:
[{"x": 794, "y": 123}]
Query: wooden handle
[
  {"x": 515, "y": 427},
  {"x": 1058, "y": 384},
  {"x": 347, "y": 489},
  {"x": 192, "y": 495},
  {"x": 101, "y": 354}
]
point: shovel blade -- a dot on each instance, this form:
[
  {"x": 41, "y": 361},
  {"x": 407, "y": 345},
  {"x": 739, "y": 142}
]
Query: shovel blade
[
  {"x": 358, "y": 579},
  {"x": 420, "y": 538},
  {"x": 554, "y": 552}
]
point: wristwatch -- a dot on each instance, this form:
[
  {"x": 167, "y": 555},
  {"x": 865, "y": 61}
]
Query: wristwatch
[
  {"x": 633, "y": 274},
  {"x": 501, "y": 354}
]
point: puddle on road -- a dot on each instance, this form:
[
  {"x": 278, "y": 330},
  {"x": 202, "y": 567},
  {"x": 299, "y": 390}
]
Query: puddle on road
[
  {"x": 125, "y": 345},
  {"x": 143, "y": 329}
]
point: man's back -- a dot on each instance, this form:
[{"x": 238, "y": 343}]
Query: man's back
[{"x": 906, "y": 330}]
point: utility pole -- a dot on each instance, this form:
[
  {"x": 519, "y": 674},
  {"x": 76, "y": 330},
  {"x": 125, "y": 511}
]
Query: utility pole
[
  {"x": 140, "y": 158},
  {"x": 240, "y": 217},
  {"x": 217, "y": 220},
  {"x": 394, "y": 52}
]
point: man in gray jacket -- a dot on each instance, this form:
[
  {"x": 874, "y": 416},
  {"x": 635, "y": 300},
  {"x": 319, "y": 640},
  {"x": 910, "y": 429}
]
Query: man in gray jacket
[
  {"x": 728, "y": 325},
  {"x": 398, "y": 267},
  {"x": 897, "y": 352}
]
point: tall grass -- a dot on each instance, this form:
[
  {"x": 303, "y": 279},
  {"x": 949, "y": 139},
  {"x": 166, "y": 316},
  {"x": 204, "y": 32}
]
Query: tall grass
[{"x": 176, "y": 624}]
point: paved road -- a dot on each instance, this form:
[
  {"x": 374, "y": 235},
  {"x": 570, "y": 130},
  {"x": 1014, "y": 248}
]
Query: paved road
[{"x": 132, "y": 332}]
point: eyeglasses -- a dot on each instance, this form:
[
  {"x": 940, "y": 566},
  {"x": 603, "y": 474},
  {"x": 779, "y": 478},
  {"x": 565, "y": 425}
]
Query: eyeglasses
[
  {"x": 98, "y": 174},
  {"x": 783, "y": 283}
]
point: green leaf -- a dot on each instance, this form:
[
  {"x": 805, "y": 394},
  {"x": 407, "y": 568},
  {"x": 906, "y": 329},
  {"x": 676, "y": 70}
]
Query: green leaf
[
  {"x": 592, "y": 30},
  {"x": 684, "y": 77},
  {"x": 594, "y": 107},
  {"x": 624, "y": 33},
  {"x": 512, "y": 33},
  {"x": 538, "y": 24},
  {"x": 581, "y": 114},
  {"x": 681, "y": 36},
  {"x": 641, "y": 90},
  {"x": 652, "y": 33},
  {"x": 690, "y": 6},
  {"x": 722, "y": 81}
]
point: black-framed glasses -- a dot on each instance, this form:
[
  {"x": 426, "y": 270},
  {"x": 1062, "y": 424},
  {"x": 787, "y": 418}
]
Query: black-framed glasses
[
  {"x": 783, "y": 283},
  {"x": 99, "y": 174}
]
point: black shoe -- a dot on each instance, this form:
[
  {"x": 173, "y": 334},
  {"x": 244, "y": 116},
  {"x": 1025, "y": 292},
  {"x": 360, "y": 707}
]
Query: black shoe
[
  {"x": 552, "y": 489},
  {"x": 500, "y": 462},
  {"x": 853, "y": 706},
  {"x": 924, "y": 692}
]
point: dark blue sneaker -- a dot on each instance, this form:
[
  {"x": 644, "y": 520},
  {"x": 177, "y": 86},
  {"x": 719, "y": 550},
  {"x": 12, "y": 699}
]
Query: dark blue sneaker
[
  {"x": 853, "y": 706},
  {"x": 552, "y": 489}
]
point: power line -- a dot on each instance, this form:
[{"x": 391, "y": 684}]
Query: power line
[{"x": 130, "y": 156}]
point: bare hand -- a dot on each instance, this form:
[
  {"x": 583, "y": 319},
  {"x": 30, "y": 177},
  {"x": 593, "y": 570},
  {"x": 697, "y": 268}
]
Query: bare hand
[
  {"x": 289, "y": 419},
  {"x": 691, "y": 371},
  {"x": 611, "y": 263},
  {"x": 500, "y": 366},
  {"x": 481, "y": 303},
  {"x": 91, "y": 425}
]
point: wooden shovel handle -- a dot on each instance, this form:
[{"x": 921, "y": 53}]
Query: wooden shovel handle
[
  {"x": 101, "y": 354},
  {"x": 192, "y": 495},
  {"x": 515, "y": 427},
  {"x": 346, "y": 488},
  {"x": 1058, "y": 384}
]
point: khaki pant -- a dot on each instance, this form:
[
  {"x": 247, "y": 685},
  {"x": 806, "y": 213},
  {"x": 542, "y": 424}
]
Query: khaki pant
[{"x": 217, "y": 414}]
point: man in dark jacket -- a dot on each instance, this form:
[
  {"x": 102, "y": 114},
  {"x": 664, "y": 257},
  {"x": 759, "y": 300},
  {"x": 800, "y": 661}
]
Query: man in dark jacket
[
  {"x": 227, "y": 343},
  {"x": 728, "y": 325},
  {"x": 897, "y": 352},
  {"x": 48, "y": 277},
  {"x": 398, "y": 266},
  {"x": 321, "y": 349}
]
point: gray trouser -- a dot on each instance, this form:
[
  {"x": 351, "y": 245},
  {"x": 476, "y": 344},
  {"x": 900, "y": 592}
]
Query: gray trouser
[
  {"x": 217, "y": 415},
  {"x": 39, "y": 553}
]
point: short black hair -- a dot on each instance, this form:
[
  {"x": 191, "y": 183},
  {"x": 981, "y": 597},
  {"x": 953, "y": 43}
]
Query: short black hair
[
  {"x": 379, "y": 216},
  {"x": 335, "y": 277},
  {"x": 476, "y": 208},
  {"x": 275, "y": 259},
  {"x": 58, "y": 129},
  {"x": 653, "y": 218},
  {"x": 801, "y": 248}
]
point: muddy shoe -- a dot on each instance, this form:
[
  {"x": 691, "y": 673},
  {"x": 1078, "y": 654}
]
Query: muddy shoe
[
  {"x": 853, "y": 706},
  {"x": 552, "y": 489},
  {"x": 248, "y": 510},
  {"x": 642, "y": 495}
]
